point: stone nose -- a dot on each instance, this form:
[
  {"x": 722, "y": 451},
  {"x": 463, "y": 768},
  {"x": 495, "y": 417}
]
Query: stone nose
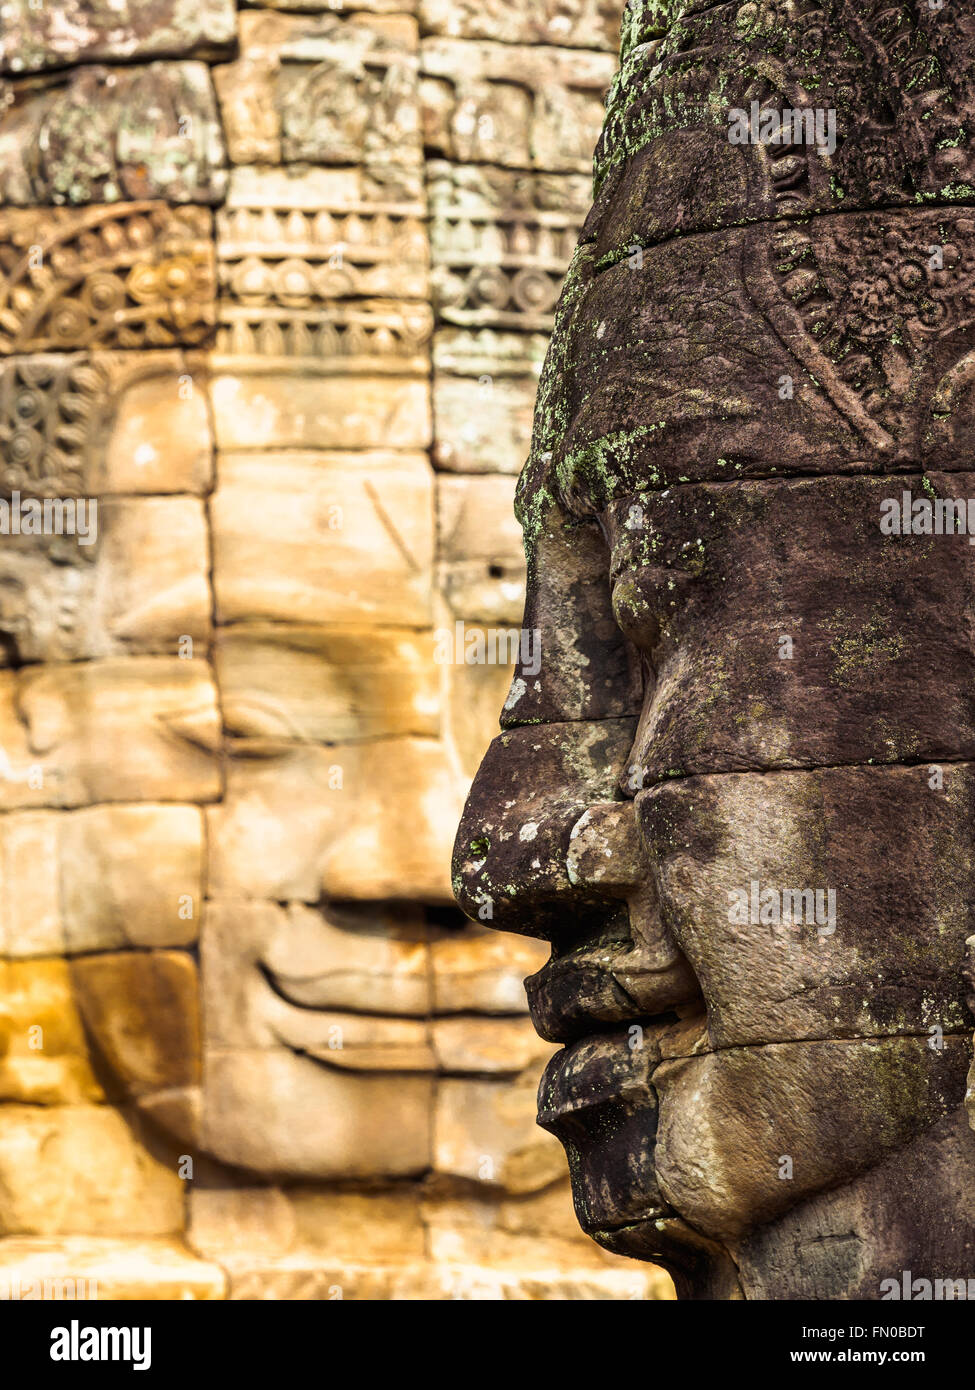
[{"x": 531, "y": 850}]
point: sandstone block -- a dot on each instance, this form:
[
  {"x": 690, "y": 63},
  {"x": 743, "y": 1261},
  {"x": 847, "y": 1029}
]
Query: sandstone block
[
  {"x": 358, "y": 822},
  {"x": 325, "y": 684},
  {"x": 98, "y": 878},
  {"x": 83, "y": 1170},
  {"x": 326, "y": 90},
  {"x": 258, "y": 956},
  {"x": 323, "y": 538},
  {"x": 135, "y": 578},
  {"x": 305, "y": 407},
  {"x": 142, "y": 1011},
  {"x": 480, "y": 549},
  {"x": 592, "y": 24},
  {"x": 158, "y": 716},
  {"x": 485, "y": 1132},
  {"x": 483, "y": 972},
  {"x": 93, "y": 424},
  {"x": 295, "y": 238},
  {"x": 44, "y": 1055},
  {"x": 517, "y": 106},
  {"x": 104, "y": 135},
  {"x": 483, "y": 424},
  {"x": 279, "y": 1112},
  {"x": 115, "y": 1270}
]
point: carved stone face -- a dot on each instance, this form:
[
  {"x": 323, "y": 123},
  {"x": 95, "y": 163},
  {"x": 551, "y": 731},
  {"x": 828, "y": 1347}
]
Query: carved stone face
[{"x": 737, "y": 797}]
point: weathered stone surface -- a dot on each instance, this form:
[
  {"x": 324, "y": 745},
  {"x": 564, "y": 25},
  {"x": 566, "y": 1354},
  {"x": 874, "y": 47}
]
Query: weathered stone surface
[
  {"x": 249, "y": 1004},
  {"x": 425, "y": 1282},
  {"x": 353, "y": 337},
  {"x": 488, "y": 1046},
  {"x": 140, "y": 1010},
  {"x": 39, "y": 36},
  {"x": 44, "y": 1057},
  {"x": 499, "y": 103},
  {"x": 792, "y": 371},
  {"x": 898, "y": 85},
  {"x": 83, "y": 1169},
  {"x": 280, "y": 1111},
  {"x": 304, "y": 407},
  {"x": 94, "y": 424},
  {"x": 368, "y": 821},
  {"x": 576, "y": 663},
  {"x": 488, "y": 352},
  {"x": 136, "y": 275},
  {"x": 308, "y": 1243},
  {"x": 896, "y": 1086},
  {"x": 822, "y": 681},
  {"x": 866, "y": 960},
  {"x": 326, "y": 90},
  {"x": 512, "y": 844},
  {"x": 101, "y": 135},
  {"x": 102, "y": 877},
  {"x": 517, "y": 1237},
  {"x": 131, "y": 876},
  {"x": 237, "y": 1225},
  {"x": 324, "y": 538},
  {"x": 480, "y": 549},
  {"x": 485, "y": 1131},
  {"x": 137, "y": 580},
  {"x": 398, "y": 7},
  {"x": 324, "y": 684},
  {"x": 586, "y": 23},
  {"x": 312, "y": 267},
  {"x": 476, "y": 694},
  {"x": 157, "y": 714},
  {"x": 156, "y": 1268}
]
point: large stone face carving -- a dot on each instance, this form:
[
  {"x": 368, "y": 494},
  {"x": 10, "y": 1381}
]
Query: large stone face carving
[
  {"x": 248, "y": 1048},
  {"x": 726, "y": 797}
]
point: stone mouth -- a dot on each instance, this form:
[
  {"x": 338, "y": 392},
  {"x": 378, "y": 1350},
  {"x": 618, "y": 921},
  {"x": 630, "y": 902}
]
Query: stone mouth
[
  {"x": 430, "y": 1042},
  {"x": 576, "y": 996},
  {"x": 325, "y": 991},
  {"x": 607, "y": 1068}
]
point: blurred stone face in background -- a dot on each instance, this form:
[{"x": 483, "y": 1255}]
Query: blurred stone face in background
[
  {"x": 275, "y": 290},
  {"x": 750, "y": 684}
]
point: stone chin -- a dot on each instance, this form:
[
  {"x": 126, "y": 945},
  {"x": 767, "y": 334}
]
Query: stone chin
[
  {"x": 684, "y": 1160},
  {"x": 284, "y": 1114}
]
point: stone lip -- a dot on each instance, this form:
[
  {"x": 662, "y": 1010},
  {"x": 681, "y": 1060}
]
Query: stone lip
[{"x": 574, "y": 996}]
